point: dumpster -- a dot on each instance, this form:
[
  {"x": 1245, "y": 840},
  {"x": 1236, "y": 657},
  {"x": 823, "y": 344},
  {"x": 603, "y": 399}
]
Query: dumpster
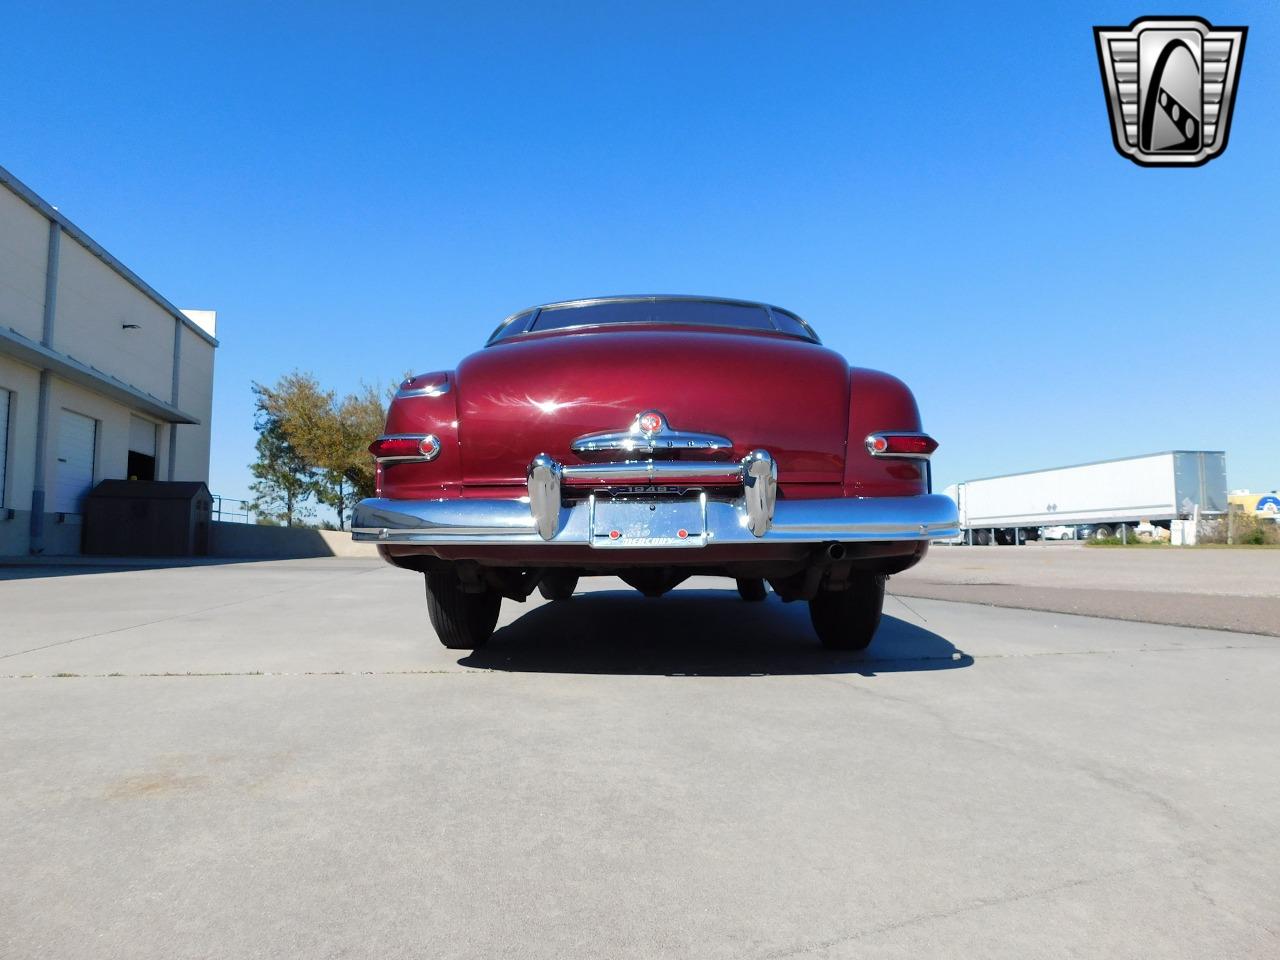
[{"x": 147, "y": 518}]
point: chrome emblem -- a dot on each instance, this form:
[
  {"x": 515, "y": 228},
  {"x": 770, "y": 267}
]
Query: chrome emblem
[
  {"x": 1170, "y": 84},
  {"x": 650, "y": 433},
  {"x": 649, "y": 423}
]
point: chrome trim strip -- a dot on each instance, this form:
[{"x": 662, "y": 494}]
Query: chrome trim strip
[
  {"x": 798, "y": 319},
  {"x": 436, "y": 389},
  {"x": 653, "y": 471},
  {"x": 528, "y": 316},
  {"x": 621, "y": 441},
  {"x": 636, "y": 439},
  {"x": 896, "y": 456},
  {"x": 510, "y": 522}
]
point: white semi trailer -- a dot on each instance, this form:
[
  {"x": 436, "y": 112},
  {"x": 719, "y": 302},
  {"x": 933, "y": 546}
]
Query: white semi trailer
[{"x": 1092, "y": 499}]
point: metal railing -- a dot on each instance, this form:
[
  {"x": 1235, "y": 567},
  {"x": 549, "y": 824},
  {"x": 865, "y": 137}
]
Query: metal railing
[{"x": 221, "y": 513}]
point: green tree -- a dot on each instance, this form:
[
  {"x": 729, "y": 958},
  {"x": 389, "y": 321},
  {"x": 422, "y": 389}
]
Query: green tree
[
  {"x": 331, "y": 435},
  {"x": 282, "y": 481}
]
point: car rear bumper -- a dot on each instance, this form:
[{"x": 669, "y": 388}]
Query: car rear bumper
[{"x": 464, "y": 522}]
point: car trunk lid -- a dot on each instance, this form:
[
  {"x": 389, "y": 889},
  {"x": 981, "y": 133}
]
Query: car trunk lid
[{"x": 537, "y": 395}]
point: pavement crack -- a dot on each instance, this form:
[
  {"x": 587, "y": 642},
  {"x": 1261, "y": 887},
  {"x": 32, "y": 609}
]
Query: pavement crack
[
  {"x": 176, "y": 616},
  {"x": 910, "y": 609},
  {"x": 1029, "y": 751},
  {"x": 979, "y": 904}
]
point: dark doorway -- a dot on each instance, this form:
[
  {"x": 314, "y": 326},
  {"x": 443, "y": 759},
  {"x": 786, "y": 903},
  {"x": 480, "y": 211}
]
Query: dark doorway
[{"x": 141, "y": 466}]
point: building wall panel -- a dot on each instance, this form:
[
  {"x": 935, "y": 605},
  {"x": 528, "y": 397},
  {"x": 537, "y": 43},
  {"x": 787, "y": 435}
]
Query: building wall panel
[
  {"x": 195, "y": 396},
  {"x": 24, "y": 250},
  {"x": 94, "y": 305}
]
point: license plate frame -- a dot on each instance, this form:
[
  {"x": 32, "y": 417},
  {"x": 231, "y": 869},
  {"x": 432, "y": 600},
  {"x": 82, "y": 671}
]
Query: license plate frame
[{"x": 648, "y": 523}]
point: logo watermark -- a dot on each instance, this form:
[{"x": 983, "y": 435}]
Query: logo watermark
[{"x": 1171, "y": 86}]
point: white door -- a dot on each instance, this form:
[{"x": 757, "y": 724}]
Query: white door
[
  {"x": 4, "y": 440},
  {"x": 142, "y": 436},
  {"x": 73, "y": 473}
]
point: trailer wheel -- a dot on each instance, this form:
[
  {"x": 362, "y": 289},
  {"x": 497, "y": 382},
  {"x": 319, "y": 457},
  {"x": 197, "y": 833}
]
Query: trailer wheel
[
  {"x": 1101, "y": 532},
  {"x": 982, "y": 537}
]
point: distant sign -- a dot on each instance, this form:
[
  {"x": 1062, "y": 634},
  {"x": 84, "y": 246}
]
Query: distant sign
[{"x": 1263, "y": 504}]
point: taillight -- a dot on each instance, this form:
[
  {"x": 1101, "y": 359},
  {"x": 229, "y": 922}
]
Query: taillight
[
  {"x": 405, "y": 446},
  {"x": 917, "y": 446}
]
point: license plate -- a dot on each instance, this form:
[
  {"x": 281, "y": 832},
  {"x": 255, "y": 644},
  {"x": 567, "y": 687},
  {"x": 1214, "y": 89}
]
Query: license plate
[{"x": 644, "y": 523}]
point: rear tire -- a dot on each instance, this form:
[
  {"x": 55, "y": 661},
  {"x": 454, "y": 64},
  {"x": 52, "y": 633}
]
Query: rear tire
[
  {"x": 558, "y": 585},
  {"x": 752, "y": 589},
  {"x": 847, "y": 619},
  {"x": 462, "y": 621},
  {"x": 1101, "y": 532}
]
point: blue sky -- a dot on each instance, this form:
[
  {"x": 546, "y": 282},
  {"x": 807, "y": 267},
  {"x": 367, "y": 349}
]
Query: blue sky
[{"x": 362, "y": 189}]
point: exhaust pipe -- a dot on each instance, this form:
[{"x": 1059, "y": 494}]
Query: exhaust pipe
[{"x": 835, "y": 551}]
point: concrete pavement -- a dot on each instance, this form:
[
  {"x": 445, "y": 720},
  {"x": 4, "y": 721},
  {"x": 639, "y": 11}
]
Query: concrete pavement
[
  {"x": 1218, "y": 588},
  {"x": 278, "y": 760}
]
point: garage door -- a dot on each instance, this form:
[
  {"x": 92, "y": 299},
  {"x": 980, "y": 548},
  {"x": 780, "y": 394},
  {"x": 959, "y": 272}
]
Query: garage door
[
  {"x": 142, "y": 436},
  {"x": 73, "y": 476},
  {"x": 4, "y": 440}
]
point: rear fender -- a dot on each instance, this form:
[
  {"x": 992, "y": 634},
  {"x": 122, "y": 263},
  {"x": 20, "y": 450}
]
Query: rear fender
[
  {"x": 880, "y": 402},
  {"x": 424, "y": 404}
]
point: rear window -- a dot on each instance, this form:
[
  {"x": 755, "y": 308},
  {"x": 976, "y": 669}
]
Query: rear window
[
  {"x": 704, "y": 313},
  {"x": 512, "y": 325},
  {"x": 789, "y": 323},
  {"x": 694, "y": 312}
]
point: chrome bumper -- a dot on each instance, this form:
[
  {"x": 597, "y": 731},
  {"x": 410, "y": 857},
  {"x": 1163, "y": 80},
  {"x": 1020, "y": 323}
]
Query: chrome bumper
[
  {"x": 751, "y": 515},
  {"x": 506, "y": 522}
]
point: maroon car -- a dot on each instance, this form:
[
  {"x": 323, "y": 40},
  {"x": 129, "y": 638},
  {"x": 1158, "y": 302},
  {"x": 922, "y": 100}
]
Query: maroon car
[{"x": 654, "y": 438}]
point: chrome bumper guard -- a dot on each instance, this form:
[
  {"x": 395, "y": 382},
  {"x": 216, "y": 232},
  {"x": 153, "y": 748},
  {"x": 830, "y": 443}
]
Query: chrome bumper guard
[{"x": 752, "y": 515}]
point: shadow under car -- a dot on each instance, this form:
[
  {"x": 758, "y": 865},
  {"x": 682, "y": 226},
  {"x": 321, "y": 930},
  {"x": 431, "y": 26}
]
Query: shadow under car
[{"x": 698, "y": 633}]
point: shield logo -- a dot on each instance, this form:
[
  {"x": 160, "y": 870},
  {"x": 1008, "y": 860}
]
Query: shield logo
[{"x": 1170, "y": 84}]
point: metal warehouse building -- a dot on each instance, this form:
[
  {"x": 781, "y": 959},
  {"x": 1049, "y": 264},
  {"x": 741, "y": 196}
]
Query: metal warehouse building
[{"x": 100, "y": 376}]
